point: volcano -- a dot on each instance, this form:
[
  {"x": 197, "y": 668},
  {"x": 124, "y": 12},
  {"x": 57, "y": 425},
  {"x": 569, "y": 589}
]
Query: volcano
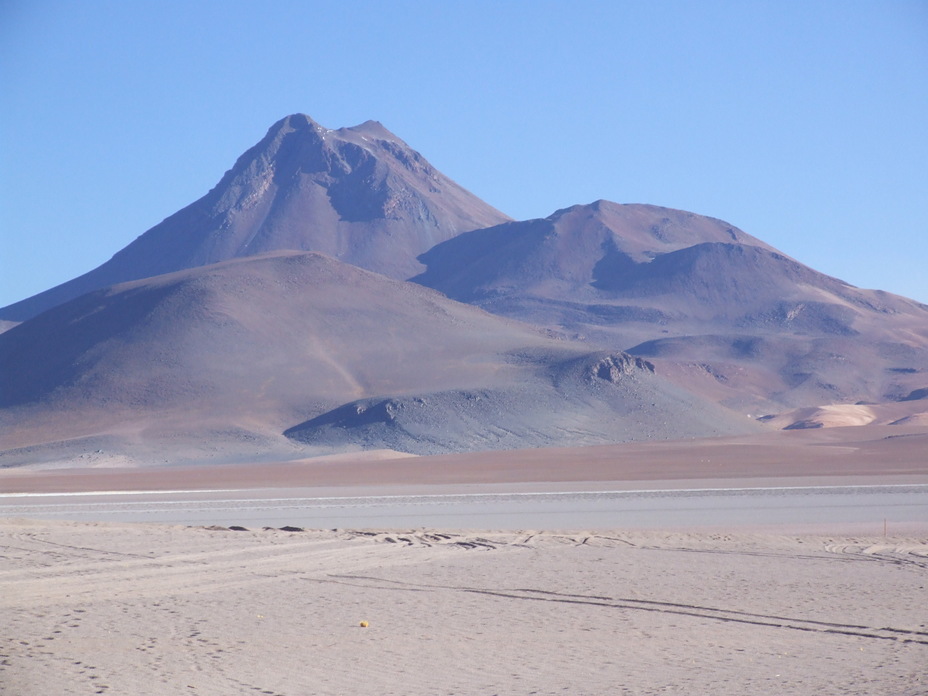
[
  {"x": 219, "y": 361},
  {"x": 360, "y": 195},
  {"x": 335, "y": 293},
  {"x": 725, "y": 312}
]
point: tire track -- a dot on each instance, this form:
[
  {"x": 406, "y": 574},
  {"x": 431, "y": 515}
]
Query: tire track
[{"x": 631, "y": 604}]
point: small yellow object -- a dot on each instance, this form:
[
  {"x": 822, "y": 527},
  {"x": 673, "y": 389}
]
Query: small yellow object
[{"x": 364, "y": 624}]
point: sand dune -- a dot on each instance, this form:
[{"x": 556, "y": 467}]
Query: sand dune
[
  {"x": 122, "y": 609},
  {"x": 913, "y": 412}
]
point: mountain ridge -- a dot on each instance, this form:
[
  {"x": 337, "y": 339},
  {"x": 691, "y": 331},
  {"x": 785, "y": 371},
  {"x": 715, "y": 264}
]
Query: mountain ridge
[
  {"x": 272, "y": 318},
  {"x": 359, "y": 194},
  {"x": 658, "y": 282},
  {"x": 232, "y": 355}
]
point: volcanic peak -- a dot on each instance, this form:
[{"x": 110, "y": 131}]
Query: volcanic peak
[{"x": 358, "y": 194}]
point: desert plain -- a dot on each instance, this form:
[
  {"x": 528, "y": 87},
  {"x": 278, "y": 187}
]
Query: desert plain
[
  {"x": 340, "y": 427},
  {"x": 94, "y": 607}
]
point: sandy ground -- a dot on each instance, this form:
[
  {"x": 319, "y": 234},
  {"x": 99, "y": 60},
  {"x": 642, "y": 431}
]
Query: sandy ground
[
  {"x": 139, "y": 609},
  {"x": 96, "y": 608}
]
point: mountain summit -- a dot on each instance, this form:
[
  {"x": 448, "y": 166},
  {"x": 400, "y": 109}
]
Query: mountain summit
[
  {"x": 735, "y": 316},
  {"x": 359, "y": 194},
  {"x": 283, "y": 315}
]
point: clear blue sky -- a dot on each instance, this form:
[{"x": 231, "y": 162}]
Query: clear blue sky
[{"x": 804, "y": 123}]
